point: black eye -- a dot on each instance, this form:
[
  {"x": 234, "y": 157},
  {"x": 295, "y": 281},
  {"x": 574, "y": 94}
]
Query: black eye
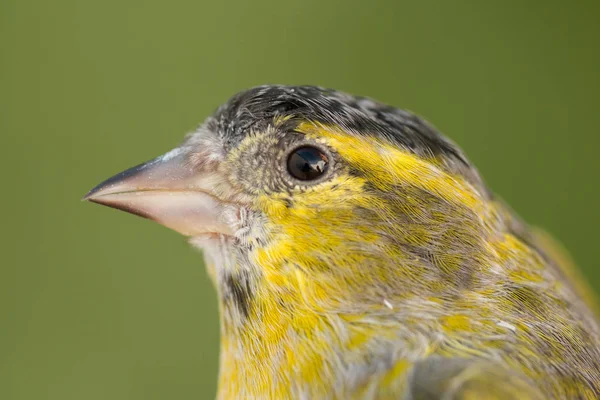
[{"x": 307, "y": 163}]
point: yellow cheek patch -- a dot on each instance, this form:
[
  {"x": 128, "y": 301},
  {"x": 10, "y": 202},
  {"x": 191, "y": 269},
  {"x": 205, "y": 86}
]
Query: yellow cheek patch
[
  {"x": 319, "y": 218},
  {"x": 386, "y": 165}
]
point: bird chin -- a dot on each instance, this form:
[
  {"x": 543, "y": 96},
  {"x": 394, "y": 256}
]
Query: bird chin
[
  {"x": 216, "y": 249},
  {"x": 209, "y": 239}
]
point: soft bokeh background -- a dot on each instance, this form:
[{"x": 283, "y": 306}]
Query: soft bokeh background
[{"x": 97, "y": 304}]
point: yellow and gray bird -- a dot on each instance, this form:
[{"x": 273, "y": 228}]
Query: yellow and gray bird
[{"x": 357, "y": 254}]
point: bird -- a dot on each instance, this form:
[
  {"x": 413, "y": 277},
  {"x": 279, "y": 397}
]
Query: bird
[{"x": 358, "y": 254}]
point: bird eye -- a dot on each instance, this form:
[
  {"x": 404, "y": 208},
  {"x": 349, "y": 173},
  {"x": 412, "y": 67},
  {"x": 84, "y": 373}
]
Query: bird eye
[{"x": 307, "y": 163}]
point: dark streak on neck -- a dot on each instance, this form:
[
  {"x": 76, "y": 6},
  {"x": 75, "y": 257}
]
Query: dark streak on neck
[{"x": 237, "y": 292}]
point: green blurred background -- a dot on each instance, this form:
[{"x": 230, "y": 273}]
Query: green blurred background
[{"x": 98, "y": 304}]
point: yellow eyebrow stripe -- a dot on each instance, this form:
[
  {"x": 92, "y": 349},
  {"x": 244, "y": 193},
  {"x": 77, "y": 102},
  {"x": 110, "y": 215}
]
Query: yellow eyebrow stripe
[{"x": 386, "y": 165}]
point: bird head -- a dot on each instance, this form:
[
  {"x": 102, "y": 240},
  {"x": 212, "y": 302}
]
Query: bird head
[
  {"x": 348, "y": 239},
  {"x": 313, "y": 198}
]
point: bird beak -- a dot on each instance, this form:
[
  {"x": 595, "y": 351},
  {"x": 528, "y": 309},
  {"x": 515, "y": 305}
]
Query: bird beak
[{"x": 172, "y": 192}]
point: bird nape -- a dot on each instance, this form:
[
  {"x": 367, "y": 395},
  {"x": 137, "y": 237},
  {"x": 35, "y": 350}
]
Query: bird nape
[{"x": 357, "y": 253}]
